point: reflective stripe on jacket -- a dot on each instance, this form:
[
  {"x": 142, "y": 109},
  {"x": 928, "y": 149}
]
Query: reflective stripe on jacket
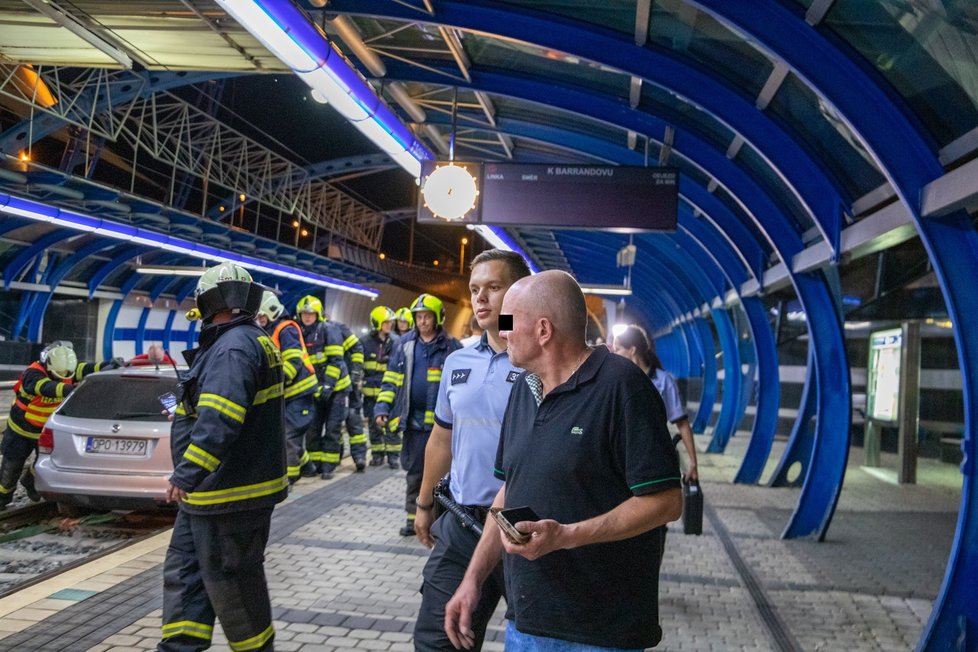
[
  {"x": 300, "y": 375},
  {"x": 228, "y": 438},
  {"x": 37, "y": 395},
  {"x": 394, "y": 398}
]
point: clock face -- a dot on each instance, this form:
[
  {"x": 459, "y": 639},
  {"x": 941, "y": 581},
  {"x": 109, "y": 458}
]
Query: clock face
[{"x": 450, "y": 192}]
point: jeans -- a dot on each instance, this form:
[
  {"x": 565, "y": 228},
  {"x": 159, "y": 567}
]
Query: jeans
[{"x": 517, "y": 641}]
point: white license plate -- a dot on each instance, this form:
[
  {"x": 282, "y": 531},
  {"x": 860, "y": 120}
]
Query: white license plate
[{"x": 105, "y": 445}]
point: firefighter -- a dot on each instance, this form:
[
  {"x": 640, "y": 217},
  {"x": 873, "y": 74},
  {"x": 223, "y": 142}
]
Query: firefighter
[
  {"x": 377, "y": 349},
  {"x": 228, "y": 447},
  {"x": 300, "y": 380},
  {"x": 406, "y": 402},
  {"x": 40, "y": 389},
  {"x": 324, "y": 340},
  {"x": 353, "y": 356},
  {"x": 405, "y": 321}
]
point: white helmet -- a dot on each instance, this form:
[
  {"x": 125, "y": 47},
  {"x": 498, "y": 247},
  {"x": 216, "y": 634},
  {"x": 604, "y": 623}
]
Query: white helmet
[
  {"x": 227, "y": 287},
  {"x": 271, "y": 307},
  {"x": 59, "y": 358}
]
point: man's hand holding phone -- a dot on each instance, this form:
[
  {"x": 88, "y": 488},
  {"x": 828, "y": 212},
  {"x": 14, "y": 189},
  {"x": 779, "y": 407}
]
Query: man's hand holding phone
[{"x": 524, "y": 533}]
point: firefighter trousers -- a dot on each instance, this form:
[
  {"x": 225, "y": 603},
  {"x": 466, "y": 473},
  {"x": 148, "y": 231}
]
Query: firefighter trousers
[
  {"x": 354, "y": 424},
  {"x": 382, "y": 440},
  {"x": 324, "y": 437},
  {"x": 300, "y": 411},
  {"x": 215, "y": 566},
  {"x": 16, "y": 449},
  {"x": 412, "y": 461}
]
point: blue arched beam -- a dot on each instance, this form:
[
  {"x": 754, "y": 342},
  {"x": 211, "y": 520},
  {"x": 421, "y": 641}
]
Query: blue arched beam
[
  {"x": 799, "y": 170},
  {"x": 29, "y": 305},
  {"x": 106, "y": 270},
  {"x": 26, "y": 257},
  {"x": 108, "y": 333},
  {"x": 64, "y": 269},
  {"x": 181, "y": 294},
  {"x": 709, "y": 286},
  {"x": 909, "y": 160},
  {"x": 21, "y": 135},
  {"x": 709, "y": 245},
  {"x": 158, "y": 288},
  {"x": 708, "y": 395},
  {"x": 801, "y": 441}
]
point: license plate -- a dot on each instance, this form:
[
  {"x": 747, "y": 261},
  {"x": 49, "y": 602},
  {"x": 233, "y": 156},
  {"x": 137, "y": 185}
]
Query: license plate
[{"x": 107, "y": 446}]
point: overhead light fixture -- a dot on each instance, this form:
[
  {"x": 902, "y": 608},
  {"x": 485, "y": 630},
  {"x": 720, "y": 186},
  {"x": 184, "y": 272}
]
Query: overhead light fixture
[
  {"x": 607, "y": 290},
  {"x": 170, "y": 270},
  {"x": 42, "y": 212},
  {"x": 288, "y": 34},
  {"x": 499, "y": 239},
  {"x": 618, "y": 329}
]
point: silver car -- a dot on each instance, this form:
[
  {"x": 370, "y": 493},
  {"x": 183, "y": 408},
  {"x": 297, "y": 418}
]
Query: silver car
[{"x": 107, "y": 446}]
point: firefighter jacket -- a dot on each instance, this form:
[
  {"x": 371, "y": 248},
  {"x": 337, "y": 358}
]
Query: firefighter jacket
[
  {"x": 299, "y": 374},
  {"x": 394, "y": 399},
  {"x": 352, "y": 352},
  {"x": 228, "y": 436},
  {"x": 324, "y": 342},
  {"x": 38, "y": 393},
  {"x": 376, "y": 355}
]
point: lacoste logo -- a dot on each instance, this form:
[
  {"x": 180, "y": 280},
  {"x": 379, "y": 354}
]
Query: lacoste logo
[
  {"x": 460, "y": 376},
  {"x": 577, "y": 430},
  {"x": 513, "y": 375}
]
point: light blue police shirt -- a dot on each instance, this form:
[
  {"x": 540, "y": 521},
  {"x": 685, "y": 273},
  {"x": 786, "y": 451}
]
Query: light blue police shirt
[
  {"x": 669, "y": 390},
  {"x": 472, "y": 397}
]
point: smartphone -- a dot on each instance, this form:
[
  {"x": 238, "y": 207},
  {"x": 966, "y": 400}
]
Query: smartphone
[
  {"x": 508, "y": 518},
  {"x": 169, "y": 402}
]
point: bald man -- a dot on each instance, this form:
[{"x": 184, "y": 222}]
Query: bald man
[{"x": 584, "y": 445}]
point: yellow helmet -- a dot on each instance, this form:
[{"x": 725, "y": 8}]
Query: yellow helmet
[
  {"x": 310, "y": 303},
  {"x": 379, "y": 315},
  {"x": 404, "y": 314},
  {"x": 59, "y": 358},
  {"x": 432, "y": 304}
]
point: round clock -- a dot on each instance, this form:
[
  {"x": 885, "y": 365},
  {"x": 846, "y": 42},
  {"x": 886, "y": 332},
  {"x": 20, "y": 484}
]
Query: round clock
[{"x": 450, "y": 192}]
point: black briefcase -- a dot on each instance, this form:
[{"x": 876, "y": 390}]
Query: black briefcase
[{"x": 692, "y": 508}]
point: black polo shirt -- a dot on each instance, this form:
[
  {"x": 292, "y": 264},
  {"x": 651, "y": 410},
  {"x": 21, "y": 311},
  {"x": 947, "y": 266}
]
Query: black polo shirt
[{"x": 593, "y": 443}]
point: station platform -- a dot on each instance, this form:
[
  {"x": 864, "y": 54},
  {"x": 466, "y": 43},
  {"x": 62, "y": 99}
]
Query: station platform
[{"x": 342, "y": 579}]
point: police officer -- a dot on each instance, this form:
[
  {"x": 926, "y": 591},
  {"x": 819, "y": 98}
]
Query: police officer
[
  {"x": 324, "y": 340},
  {"x": 406, "y": 402},
  {"x": 300, "y": 379},
  {"x": 40, "y": 389},
  {"x": 228, "y": 446},
  {"x": 472, "y": 398},
  {"x": 377, "y": 348},
  {"x": 405, "y": 321}
]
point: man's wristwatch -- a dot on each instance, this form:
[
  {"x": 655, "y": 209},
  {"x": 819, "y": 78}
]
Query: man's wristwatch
[{"x": 422, "y": 506}]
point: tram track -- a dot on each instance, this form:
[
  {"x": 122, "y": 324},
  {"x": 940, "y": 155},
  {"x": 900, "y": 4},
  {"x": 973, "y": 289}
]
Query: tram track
[{"x": 36, "y": 544}]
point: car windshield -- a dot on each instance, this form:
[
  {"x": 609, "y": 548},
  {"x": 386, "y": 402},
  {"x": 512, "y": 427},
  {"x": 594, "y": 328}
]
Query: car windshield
[{"x": 118, "y": 396}]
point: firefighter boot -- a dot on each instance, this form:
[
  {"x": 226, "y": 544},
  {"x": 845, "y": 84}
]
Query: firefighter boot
[
  {"x": 308, "y": 470},
  {"x": 408, "y": 529},
  {"x": 8, "y": 481},
  {"x": 327, "y": 473},
  {"x": 27, "y": 482},
  {"x": 376, "y": 458},
  {"x": 393, "y": 461},
  {"x": 360, "y": 463}
]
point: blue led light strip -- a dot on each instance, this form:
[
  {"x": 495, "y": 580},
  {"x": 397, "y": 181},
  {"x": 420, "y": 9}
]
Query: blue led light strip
[{"x": 42, "y": 212}]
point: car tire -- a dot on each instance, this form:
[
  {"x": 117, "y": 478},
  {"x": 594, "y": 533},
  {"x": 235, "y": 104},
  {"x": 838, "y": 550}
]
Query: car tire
[{"x": 72, "y": 511}]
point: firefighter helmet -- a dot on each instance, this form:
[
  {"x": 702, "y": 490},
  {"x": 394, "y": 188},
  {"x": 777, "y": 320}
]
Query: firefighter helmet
[
  {"x": 271, "y": 307},
  {"x": 432, "y": 304},
  {"x": 59, "y": 358},
  {"x": 404, "y": 314},
  {"x": 379, "y": 315},
  {"x": 227, "y": 287},
  {"x": 310, "y": 303}
]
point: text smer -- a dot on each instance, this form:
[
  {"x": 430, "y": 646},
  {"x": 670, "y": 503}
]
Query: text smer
[{"x": 529, "y": 177}]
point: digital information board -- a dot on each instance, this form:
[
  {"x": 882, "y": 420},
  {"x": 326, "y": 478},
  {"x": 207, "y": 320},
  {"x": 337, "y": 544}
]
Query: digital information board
[
  {"x": 883, "y": 375},
  {"x": 606, "y": 197}
]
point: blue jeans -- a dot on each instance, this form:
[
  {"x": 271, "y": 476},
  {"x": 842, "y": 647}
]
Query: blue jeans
[{"x": 517, "y": 641}]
